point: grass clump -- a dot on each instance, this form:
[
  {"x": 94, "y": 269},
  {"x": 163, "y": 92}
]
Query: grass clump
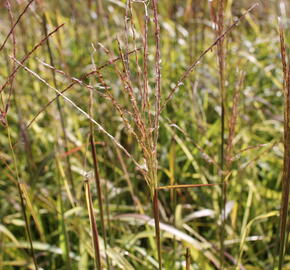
[{"x": 144, "y": 135}]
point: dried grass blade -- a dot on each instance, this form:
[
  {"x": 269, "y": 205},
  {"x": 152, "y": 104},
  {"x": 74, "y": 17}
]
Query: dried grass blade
[
  {"x": 185, "y": 186},
  {"x": 14, "y": 25}
]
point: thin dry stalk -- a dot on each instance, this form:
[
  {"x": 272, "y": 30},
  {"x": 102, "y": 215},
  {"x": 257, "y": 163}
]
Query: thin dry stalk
[
  {"x": 127, "y": 19},
  {"x": 78, "y": 148},
  {"x": 187, "y": 259},
  {"x": 15, "y": 24},
  {"x": 221, "y": 66},
  {"x": 157, "y": 226},
  {"x": 93, "y": 225},
  {"x": 286, "y": 166},
  {"x": 14, "y": 55},
  {"x": 185, "y": 186},
  {"x": 98, "y": 180}
]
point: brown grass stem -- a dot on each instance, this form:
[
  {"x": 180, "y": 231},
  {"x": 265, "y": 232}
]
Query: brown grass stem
[
  {"x": 15, "y": 24},
  {"x": 95, "y": 234},
  {"x": 286, "y": 163},
  {"x": 98, "y": 180},
  {"x": 221, "y": 67},
  {"x": 157, "y": 227},
  {"x": 187, "y": 259}
]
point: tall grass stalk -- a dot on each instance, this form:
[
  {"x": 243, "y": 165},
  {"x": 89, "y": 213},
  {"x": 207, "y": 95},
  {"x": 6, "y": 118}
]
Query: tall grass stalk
[
  {"x": 98, "y": 180},
  {"x": 145, "y": 130},
  {"x": 221, "y": 64},
  {"x": 14, "y": 54},
  {"x": 187, "y": 259},
  {"x": 286, "y": 167},
  {"x": 15, "y": 24},
  {"x": 95, "y": 234},
  {"x": 156, "y": 127},
  {"x": 157, "y": 226}
]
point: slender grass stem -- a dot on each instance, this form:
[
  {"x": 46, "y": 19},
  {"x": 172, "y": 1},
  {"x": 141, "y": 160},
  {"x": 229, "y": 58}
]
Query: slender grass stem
[
  {"x": 286, "y": 166},
  {"x": 157, "y": 226},
  {"x": 95, "y": 234},
  {"x": 187, "y": 259}
]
